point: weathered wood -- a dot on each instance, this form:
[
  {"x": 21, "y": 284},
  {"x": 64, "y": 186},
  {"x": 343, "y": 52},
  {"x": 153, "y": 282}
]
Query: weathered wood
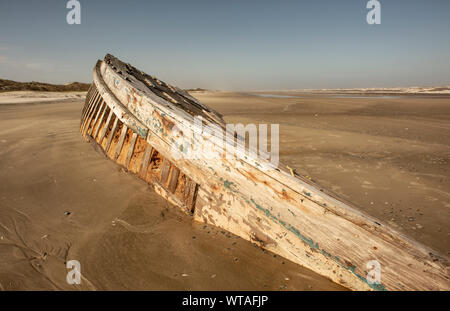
[
  {"x": 173, "y": 181},
  {"x": 145, "y": 160},
  {"x": 100, "y": 121},
  {"x": 105, "y": 129},
  {"x": 88, "y": 106},
  {"x": 96, "y": 105},
  {"x": 131, "y": 149},
  {"x": 116, "y": 106},
  {"x": 191, "y": 188},
  {"x": 111, "y": 134},
  {"x": 99, "y": 112},
  {"x": 88, "y": 94},
  {"x": 165, "y": 168},
  {"x": 91, "y": 107},
  {"x": 88, "y": 98},
  {"x": 83, "y": 111},
  {"x": 251, "y": 198},
  {"x": 120, "y": 143}
]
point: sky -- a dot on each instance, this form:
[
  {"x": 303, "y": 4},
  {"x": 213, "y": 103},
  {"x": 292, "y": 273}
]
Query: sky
[{"x": 232, "y": 45}]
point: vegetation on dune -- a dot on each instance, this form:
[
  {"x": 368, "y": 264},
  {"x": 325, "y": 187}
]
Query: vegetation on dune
[{"x": 9, "y": 85}]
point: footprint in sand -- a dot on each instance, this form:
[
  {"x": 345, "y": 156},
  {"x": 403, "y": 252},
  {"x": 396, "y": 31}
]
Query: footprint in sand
[
  {"x": 133, "y": 228},
  {"x": 367, "y": 185},
  {"x": 335, "y": 188},
  {"x": 432, "y": 199},
  {"x": 334, "y": 135}
]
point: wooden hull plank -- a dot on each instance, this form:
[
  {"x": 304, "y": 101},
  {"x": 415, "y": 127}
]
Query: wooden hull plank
[
  {"x": 99, "y": 112},
  {"x": 173, "y": 179},
  {"x": 105, "y": 129},
  {"x": 88, "y": 98},
  {"x": 88, "y": 107},
  {"x": 130, "y": 149},
  {"x": 116, "y": 106},
  {"x": 191, "y": 189},
  {"x": 89, "y": 111},
  {"x": 100, "y": 121},
  {"x": 91, "y": 115},
  {"x": 111, "y": 134},
  {"x": 120, "y": 143},
  {"x": 145, "y": 160},
  {"x": 165, "y": 168}
]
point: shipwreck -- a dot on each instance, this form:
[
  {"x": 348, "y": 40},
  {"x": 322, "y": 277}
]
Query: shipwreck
[{"x": 132, "y": 116}]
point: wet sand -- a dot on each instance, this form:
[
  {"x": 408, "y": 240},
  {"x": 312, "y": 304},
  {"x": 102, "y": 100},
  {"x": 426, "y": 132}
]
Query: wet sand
[{"x": 61, "y": 200}]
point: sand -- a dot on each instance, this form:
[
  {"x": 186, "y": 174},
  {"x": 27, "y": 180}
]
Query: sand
[
  {"x": 30, "y": 97},
  {"x": 60, "y": 199}
]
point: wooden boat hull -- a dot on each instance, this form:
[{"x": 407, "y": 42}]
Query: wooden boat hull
[{"x": 132, "y": 117}]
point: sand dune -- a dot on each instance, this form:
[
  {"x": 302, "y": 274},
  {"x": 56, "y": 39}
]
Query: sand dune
[{"x": 10, "y": 86}]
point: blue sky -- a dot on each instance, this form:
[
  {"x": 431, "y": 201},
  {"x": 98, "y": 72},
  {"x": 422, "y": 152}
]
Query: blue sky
[{"x": 232, "y": 45}]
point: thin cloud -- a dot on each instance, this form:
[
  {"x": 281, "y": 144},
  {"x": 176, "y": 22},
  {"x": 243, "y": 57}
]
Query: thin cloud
[{"x": 3, "y": 59}]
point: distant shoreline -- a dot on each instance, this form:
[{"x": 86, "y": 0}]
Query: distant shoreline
[
  {"x": 439, "y": 91},
  {"x": 38, "y": 97},
  {"x": 394, "y": 91},
  {"x": 298, "y": 94}
]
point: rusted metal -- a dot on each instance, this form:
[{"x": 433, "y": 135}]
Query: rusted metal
[{"x": 271, "y": 207}]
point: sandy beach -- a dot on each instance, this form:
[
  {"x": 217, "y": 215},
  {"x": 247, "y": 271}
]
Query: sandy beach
[
  {"x": 36, "y": 97},
  {"x": 61, "y": 199}
]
